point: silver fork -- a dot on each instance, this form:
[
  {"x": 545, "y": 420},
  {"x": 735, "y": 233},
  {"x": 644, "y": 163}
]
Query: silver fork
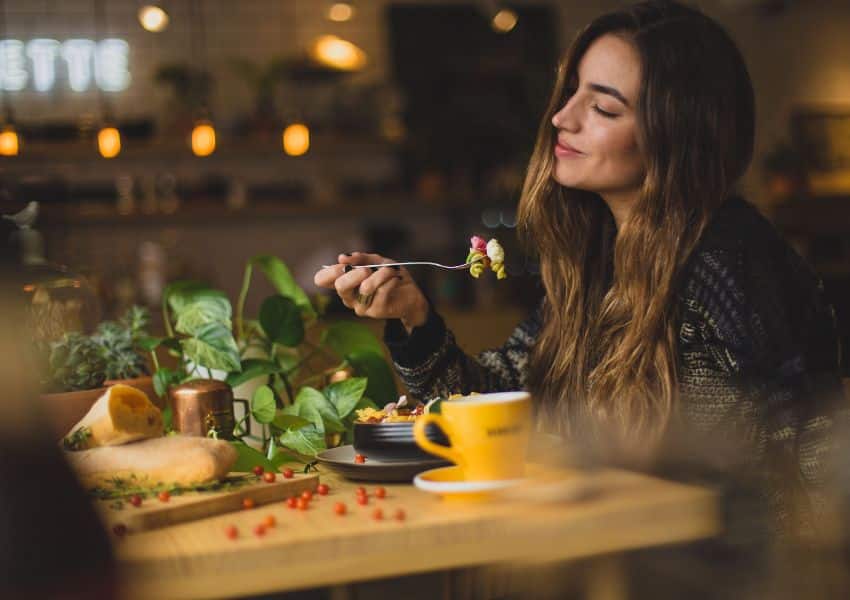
[{"x": 411, "y": 263}]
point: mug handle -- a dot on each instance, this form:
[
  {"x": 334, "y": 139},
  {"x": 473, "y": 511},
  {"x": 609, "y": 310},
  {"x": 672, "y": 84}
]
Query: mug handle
[
  {"x": 421, "y": 438},
  {"x": 247, "y": 412}
]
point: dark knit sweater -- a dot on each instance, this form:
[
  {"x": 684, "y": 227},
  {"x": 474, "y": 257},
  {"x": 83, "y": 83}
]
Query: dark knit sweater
[{"x": 757, "y": 348}]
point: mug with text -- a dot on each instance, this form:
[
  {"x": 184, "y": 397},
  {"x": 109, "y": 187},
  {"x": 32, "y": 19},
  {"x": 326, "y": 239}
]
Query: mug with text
[{"x": 489, "y": 434}]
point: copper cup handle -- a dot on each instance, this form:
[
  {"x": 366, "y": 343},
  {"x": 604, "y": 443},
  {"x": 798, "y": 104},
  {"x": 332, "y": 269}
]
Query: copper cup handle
[{"x": 247, "y": 412}]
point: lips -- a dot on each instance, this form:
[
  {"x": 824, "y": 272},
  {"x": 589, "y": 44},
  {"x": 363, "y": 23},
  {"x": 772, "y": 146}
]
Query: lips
[
  {"x": 565, "y": 146},
  {"x": 565, "y": 151}
]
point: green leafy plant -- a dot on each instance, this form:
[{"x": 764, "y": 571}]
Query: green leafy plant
[
  {"x": 289, "y": 350},
  {"x": 114, "y": 351}
]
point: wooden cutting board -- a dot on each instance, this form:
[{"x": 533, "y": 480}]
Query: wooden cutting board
[{"x": 190, "y": 506}]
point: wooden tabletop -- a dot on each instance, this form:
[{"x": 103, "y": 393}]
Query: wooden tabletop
[{"x": 316, "y": 547}]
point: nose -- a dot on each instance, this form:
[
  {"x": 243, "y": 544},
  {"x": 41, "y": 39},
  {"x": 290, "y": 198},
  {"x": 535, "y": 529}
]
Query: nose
[{"x": 566, "y": 117}]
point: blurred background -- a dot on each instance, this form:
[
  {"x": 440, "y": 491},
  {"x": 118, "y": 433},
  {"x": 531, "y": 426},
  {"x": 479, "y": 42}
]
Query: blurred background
[{"x": 176, "y": 139}]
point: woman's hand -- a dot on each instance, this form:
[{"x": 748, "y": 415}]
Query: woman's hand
[{"x": 378, "y": 293}]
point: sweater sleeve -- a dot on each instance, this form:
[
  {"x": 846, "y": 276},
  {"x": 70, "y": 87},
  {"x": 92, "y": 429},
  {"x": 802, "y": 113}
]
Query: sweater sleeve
[
  {"x": 759, "y": 366},
  {"x": 431, "y": 363}
]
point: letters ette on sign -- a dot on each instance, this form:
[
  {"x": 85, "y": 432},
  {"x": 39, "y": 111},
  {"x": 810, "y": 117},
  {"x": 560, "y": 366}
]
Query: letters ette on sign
[{"x": 36, "y": 63}]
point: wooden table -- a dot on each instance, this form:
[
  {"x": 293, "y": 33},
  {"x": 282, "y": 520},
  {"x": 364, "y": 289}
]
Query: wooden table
[{"x": 316, "y": 547}]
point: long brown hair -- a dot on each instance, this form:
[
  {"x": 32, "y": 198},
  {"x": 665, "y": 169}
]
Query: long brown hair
[{"x": 607, "y": 352}]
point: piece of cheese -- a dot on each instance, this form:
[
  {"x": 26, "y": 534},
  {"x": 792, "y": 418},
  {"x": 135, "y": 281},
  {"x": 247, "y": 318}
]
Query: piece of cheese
[
  {"x": 122, "y": 414},
  {"x": 173, "y": 459}
]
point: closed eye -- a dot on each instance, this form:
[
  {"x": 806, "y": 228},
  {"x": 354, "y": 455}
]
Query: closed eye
[{"x": 605, "y": 113}]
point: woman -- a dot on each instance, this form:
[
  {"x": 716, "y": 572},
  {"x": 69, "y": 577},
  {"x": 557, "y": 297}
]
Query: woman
[{"x": 669, "y": 302}]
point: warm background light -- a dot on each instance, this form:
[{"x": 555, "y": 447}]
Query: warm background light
[
  {"x": 296, "y": 139},
  {"x": 203, "y": 139},
  {"x": 341, "y": 12},
  {"x": 505, "y": 20},
  {"x": 153, "y": 18},
  {"x": 338, "y": 53},
  {"x": 8, "y": 141},
  {"x": 109, "y": 142}
]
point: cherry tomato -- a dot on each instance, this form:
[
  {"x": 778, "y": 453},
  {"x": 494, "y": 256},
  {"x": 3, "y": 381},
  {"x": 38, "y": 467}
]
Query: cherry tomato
[
  {"x": 303, "y": 504},
  {"x": 377, "y": 514},
  {"x": 340, "y": 508},
  {"x": 292, "y": 502},
  {"x": 359, "y": 459},
  {"x": 164, "y": 496},
  {"x": 260, "y": 530},
  {"x": 323, "y": 489},
  {"x": 288, "y": 473},
  {"x": 269, "y": 521},
  {"x": 380, "y": 492},
  {"x": 307, "y": 495},
  {"x": 258, "y": 470},
  {"x": 399, "y": 514},
  {"x": 269, "y": 477},
  {"x": 120, "y": 530},
  {"x": 231, "y": 532},
  {"x": 361, "y": 491},
  {"x": 362, "y": 500},
  {"x": 136, "y": 500},
  {"x": 248, "y": 503}
]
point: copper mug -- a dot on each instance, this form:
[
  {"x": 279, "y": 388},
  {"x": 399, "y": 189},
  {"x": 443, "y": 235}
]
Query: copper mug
[{"x": 203, "y": 407}]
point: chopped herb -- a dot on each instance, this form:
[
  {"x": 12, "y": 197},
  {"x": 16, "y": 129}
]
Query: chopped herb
[
  {"x": 119, "y": 488},
  {"x": 78, "y": 440}
]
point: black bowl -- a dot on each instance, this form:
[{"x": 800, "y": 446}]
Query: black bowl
[{"x": 394, "y": 441}]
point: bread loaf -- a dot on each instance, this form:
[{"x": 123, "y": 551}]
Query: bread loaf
[
  {"x": 122, "y": 414},
  {"x": 173, "y": 459}
]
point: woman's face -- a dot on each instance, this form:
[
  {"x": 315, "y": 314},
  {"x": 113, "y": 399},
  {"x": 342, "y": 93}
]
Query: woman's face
[{"x": 596, "y": 147}]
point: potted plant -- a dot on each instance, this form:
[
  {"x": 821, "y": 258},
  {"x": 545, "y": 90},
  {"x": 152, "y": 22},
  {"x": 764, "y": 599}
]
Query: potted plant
[
  {"x": 305, "y": 377},
  {"x": 79, "y": 367}
]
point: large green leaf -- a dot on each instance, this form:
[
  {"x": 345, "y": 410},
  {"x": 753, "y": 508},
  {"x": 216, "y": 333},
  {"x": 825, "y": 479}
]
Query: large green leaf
[
  {"x": 284, "y": 421},
  {"x": 345, "y": 395},
  {"x": 381, "y": 388},
  {"x": 308, "y": 396},
  {"x": 248, "y": 458},
  {"x": 181, "y": 293},
  {"x": 281, "y": 320},
  {"x": 346, "y": 337},
  {"x": 251, "y": 368},
  {"x": 281, "y": 458},
  {"x": 263, "y": 405},
  {"x": 307, "y": 440},
  {"x": 213, "y": 347},
  {"x": 280, "y": 277},
  {"x": 202, "y": 311}
]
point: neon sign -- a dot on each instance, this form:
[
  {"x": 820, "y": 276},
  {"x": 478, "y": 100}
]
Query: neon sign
[{"x": 33, "y": 64}]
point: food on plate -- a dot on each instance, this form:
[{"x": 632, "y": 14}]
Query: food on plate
[
  {"x": 121, "y": 415},
  {"x": 483, "y": 254},
  {"x": 393, "y": 412},
  {"x": 181, "y": 460}
]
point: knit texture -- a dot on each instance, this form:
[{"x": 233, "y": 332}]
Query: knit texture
[{"x": 758, "y": 354}]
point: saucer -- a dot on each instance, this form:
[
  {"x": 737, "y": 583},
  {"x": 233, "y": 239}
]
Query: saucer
[
  {"x": 449, "y": 483},
  {"x": 341, "y": 460}
]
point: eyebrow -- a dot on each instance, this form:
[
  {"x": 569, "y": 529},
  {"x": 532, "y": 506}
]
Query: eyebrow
[{"x": 608, "y": 90}]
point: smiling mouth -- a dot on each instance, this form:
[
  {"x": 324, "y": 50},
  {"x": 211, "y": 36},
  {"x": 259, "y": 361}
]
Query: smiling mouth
[{"x": 566, "y": 150}]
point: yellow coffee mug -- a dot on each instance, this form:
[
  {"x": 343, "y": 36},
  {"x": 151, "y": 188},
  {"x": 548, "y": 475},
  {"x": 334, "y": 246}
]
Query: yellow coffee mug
[{"x": 488, "y": 433}]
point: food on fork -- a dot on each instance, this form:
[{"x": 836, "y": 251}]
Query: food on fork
[{"x": 483, "y": 254}]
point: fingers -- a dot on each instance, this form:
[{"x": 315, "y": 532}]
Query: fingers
[
  {"x": 347, "y": 284},
  {"x": 378, "y": 278},
  {"x": 361, "y": 258},
  {"x": 376, "y": 303}
]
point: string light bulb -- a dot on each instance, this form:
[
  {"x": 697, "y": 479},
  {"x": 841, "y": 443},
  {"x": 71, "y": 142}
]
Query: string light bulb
[
  {"x": 153, "y": 18},
  {"x": 203, "y": 138},
  {"x": 340, "y": 12},
  {"x": 9, "y": 143},
  {"x": 109, "y": 142},
  {"x": 296, "y": 139},
  {"x": 338, "y": 53},
  {"x": 504, "y": 20}
]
